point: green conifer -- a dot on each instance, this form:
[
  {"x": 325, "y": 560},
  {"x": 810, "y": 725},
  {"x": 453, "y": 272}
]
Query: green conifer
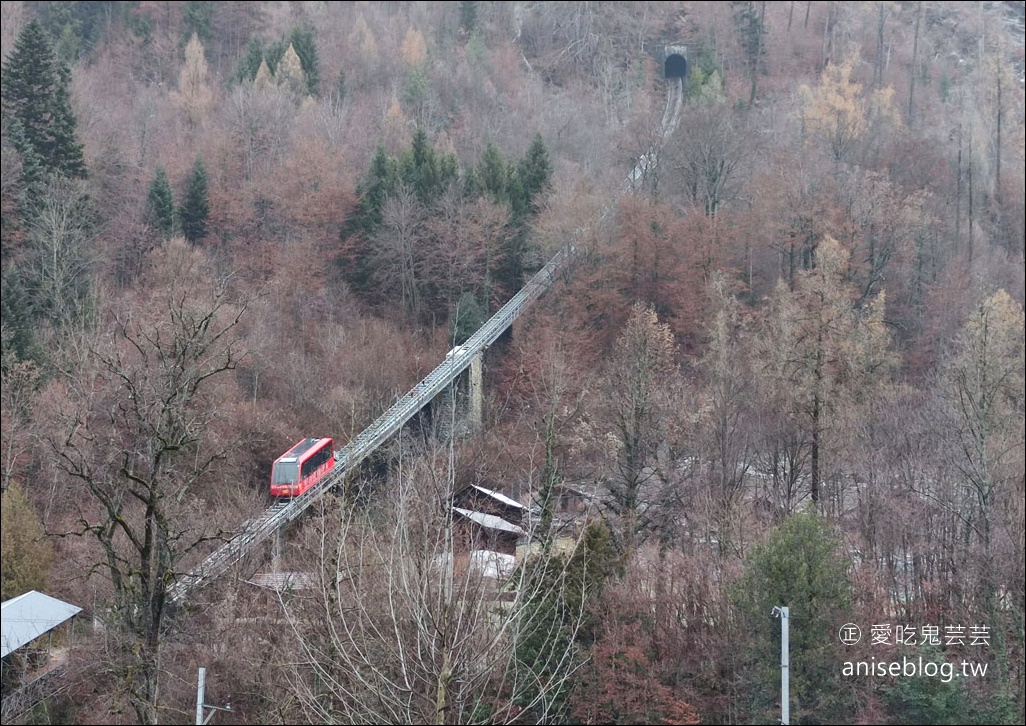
[
  {"x": 160, "y": 203},
  {"x": 493, "y": 174},
  {"x": 35, "y": 95},
  {"x": 18, "y": 340},
  {"x": 303, "y": 43},
  {"x": 193, "y": 213},
  {"x": 250, "y": 62},
  {"x": 534, "y": 174}
]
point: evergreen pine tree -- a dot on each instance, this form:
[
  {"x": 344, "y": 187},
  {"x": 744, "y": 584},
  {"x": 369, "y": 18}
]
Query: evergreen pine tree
[
  {"x": 524, "y": 184},
  {"x": 493, "y": 174},
  {"x": 18, "y": 340},
  {"x": 534, "y": 173},
  {"x": 250, "y": 62},
  {"x": 419, "y": 168},
  {"x": 509, "y": 268},
  {"x": 468, "y": 17},
  {"x": 425, "y": 170},
  {"x": 26, "y": 553},
  {"x": 193, "y": 213},
  {"x": 751, "y": 32},
  {"x": 467, "y": 318},
  {"x": 562, "y": 626},
  {"x": 274, "y": 53},
  {"x": 448, "y": 170},
  {"x": 197, "y": 18},
  {"x": 380, "y": 183},
  {"x": 800, "y": 566},
  {"x": 32, "y": 173},
  {"x": 35, "y": 96},
  {"x": 303, "y": 43},
  {"x": 160, "y": 204},
  {"x": 76, "y": 27}
]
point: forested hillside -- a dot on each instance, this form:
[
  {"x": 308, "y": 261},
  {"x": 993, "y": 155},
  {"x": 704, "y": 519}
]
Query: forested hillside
[{"x": 784, "y": 368}]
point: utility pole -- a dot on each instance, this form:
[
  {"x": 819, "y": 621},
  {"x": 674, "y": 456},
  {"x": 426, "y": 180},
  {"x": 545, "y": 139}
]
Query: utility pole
[
  {"x": 784, "y": 614},
  {"x": 201, "y": 688}
]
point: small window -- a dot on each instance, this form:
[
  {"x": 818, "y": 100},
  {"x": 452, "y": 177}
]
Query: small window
[{"x": 315, "y": 461}]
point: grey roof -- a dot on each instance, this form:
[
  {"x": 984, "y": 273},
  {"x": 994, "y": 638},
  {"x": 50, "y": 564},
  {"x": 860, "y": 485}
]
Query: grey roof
[
  {"x": 28, "y": 616},
  {"x": 489, "y": 520}
]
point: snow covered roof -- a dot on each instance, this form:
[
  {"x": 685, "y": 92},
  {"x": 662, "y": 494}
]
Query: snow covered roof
[
  {"x": 489, "y": 520},
  {"x": 28, "y": 616},
  {"x": 499, "y": 497}
]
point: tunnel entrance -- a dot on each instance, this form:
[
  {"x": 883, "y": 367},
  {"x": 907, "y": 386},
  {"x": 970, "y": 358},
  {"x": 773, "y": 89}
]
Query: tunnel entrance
[{"x": 675, "y": 66}]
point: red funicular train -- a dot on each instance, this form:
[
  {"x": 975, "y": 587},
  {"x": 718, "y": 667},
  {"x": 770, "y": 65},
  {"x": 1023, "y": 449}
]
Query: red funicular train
[{"x": 301, "y": 467}]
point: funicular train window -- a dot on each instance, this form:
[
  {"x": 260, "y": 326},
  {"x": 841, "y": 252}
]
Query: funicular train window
[
  {"x": 314, "y": 462},
  {"x": 285, "y": 473}
]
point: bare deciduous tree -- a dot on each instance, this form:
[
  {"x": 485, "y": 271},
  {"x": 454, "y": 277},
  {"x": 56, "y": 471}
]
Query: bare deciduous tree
[
  {"x": 417, "y": 621},
  {"x": 138, "y": 404},
  {"x": 708, "y": 154},
  {"x": 60, "y": 230},
  {"x": 397, "y": 249}
]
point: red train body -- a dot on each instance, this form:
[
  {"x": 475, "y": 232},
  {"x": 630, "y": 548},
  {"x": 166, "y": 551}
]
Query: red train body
[{"x": 301, "y": 467}]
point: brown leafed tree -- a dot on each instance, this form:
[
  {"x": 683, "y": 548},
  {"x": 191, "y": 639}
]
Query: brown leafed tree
[
  {"x": 289, "y": 74},
  {"x": 708, "y": 156},
  {"x": 20, "y": 380},
  {"x": 881, "y": 226},
  {"x": 984, "y": 384},
  {"x": 839, "y": 113},
  {"x": 620, "y": 683},
  {"x": 653, "y": 257},
  {"x": 60, "y": 263},
  {"x": 462, "y": 242},
  {"x": 821, "y": 358},
  {"x": 726, "y": 422},
  {"x": 639, "y": 382},
  {"x": 194, "y": 95}
]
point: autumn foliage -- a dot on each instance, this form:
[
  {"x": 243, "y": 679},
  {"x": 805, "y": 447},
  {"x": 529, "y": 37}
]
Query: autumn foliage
[{"x": 793, "y": 315}]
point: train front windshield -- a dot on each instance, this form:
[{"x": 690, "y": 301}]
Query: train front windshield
[{"x": 285, "y": 473}]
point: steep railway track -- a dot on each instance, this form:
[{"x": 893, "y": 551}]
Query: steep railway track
[{"x": 282, "y": 513}]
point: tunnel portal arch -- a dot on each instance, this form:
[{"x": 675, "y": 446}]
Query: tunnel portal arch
[{"x": 675, "y": 66}]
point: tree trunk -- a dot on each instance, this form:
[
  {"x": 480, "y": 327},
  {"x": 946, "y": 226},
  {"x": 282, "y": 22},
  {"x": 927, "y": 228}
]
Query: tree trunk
[
  {"x": 758, "y": 55},
  {"x": 912, "y": 67},
  {"x": 997, "y": 145},
  {"x": 882, "y": 19}
]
